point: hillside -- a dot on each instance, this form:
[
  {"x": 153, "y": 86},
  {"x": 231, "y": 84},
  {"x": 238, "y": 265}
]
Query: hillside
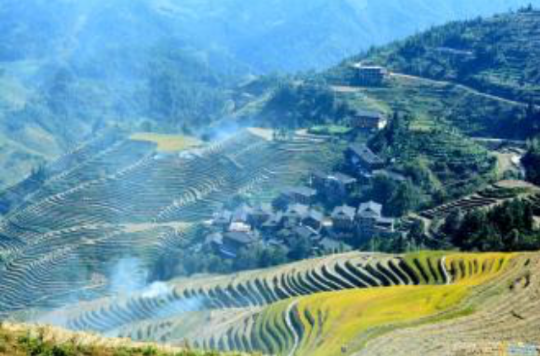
[
  {"x": 349, "y": 304},
  {"x": 464, "y": 73},
  {"x": 496, "y": 55},
  {"x": 122, "y": 203},
  {"x": 68, "y": 68},
  {"x": 23, "y": 340}
]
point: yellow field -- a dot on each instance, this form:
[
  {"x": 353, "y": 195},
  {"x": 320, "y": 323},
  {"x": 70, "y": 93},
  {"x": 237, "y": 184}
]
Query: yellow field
[
  {"x": 167, "y": 143},
  {"x": 342, "y": 322},
  {"x": 348, "y": 314}
]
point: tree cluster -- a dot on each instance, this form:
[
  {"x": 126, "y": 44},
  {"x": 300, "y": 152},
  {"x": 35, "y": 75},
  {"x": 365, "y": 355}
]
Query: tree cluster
[{"x": 509, "y": 227}]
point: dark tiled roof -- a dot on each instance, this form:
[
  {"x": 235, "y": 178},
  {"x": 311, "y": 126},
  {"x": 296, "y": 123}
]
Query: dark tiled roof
[
  {"x": 345, "y": 210},
  {"x": 316, "y": 215},
  {"x": 343, "y": 178},
  {"x": 240, "y": 237},
  {"x": 365, "y": 153},
  {"x": 305, "y": 191},
  {"x": 368, "y": 113},
  {"x": 298, "y": 209},
  {"x": 304, "y": 231},
  {"x": 370, "y": 209},
  {"x": 319, "y": 174},
  {"x": 223, "y": 216},
  {"x": 216, "y": 238}
]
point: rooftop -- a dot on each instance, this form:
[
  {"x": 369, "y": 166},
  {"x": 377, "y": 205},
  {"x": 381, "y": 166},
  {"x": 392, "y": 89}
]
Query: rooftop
[
  {"x": 305, "y": 231},
  {"x": 316, "y": 215},
  {"x": 342, "y": 178},
  {"x": 368, "y": 113},
  {"x": 344, "y": 211},
  {"x": 370, "y": 208},
  {"x": 298, "y": 209},
  {"x": 365, "y": 153},
  {"x": 305, "y": 191},
  {"x": 240, "y": 237}
]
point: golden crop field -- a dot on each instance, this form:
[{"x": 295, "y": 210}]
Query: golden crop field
[{"x": 167, "y": 143}]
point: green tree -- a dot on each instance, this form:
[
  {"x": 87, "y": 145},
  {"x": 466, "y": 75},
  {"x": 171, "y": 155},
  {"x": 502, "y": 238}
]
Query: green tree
[{"x": 531, "y": 162}]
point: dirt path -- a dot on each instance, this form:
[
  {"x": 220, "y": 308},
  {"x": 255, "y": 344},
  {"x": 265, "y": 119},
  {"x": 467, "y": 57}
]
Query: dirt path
[
  {"x": 461, "y": 86},
  {"x": 447, "y": 276},
  {"x": 289, "y": 323}
]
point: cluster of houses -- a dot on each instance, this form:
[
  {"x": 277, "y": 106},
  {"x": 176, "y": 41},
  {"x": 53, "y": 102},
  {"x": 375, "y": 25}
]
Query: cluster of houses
[
  {"x": 344, "y": 227},
  {"x": 296, "y": 213}
]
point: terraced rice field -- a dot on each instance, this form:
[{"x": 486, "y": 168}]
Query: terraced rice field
[
  {"x": 167, "y": 143},
  {"x": 343, "y": 304},
  {"x": 120, "y": 198},
  {"x": 61, "y": 239}
]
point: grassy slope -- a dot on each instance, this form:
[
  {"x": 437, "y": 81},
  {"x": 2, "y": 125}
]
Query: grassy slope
[{"x": 20, "y": 340}]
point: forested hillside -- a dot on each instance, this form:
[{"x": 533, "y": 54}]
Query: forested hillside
[
  {"x": 479, "y": 76},
  {"x": 497, "y": 55}
]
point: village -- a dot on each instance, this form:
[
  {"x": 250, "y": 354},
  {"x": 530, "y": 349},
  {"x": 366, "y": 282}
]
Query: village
[{"x": 317, "y": 213}]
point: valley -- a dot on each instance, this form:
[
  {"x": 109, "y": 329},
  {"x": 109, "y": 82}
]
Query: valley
[{"x": 164, "y": 192}]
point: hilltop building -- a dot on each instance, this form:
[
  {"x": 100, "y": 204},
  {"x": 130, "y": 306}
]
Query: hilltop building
[
  {"x": 368, "y": 120},
  {"x": 368, "y": 75}
]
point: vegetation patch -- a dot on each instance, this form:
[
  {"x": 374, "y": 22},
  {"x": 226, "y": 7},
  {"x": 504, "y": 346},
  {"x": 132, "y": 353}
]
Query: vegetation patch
[{"x": 17, "y": 340}]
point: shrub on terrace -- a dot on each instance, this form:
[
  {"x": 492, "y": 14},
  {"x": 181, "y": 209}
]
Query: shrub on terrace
[
  {"x": 531, "y": 162},
  {"x": 509, "y": 227}
]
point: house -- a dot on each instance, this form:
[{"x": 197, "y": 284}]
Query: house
[
  {"x": 222, "y": 219},
  {"x": 214, "y": 241},
  {"x": 234, "y": 241},
  {"x": 295, "y": 214},
  {"x": 318, "y": 180},
  {"x": 333, "y": 186},
  {"x": 368, "y": 120},
  {"x": 306, "y": 232},
  {"x": 368, "y": 75},
  {"x": 370, "y": 221},
  {"x": 273, "y": 224},
  {"x": 339, "y": 185},
  {"x": 362, "y": 160},
  {"x": 241, "y": 214},
  {"x": 343, "y": 218},
  {"x": 260, "y": 215},
  {"x": 314, "y": 219},
  {"x": 299, "y": 195},
  {"x": 240, "y": 219}
]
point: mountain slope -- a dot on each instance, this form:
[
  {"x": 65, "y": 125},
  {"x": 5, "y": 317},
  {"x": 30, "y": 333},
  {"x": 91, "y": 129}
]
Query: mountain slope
[
  {"x": 479, "y": 76},
  {"x": 497, "y": 55},
  {"x": 69, "y": 68}
]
